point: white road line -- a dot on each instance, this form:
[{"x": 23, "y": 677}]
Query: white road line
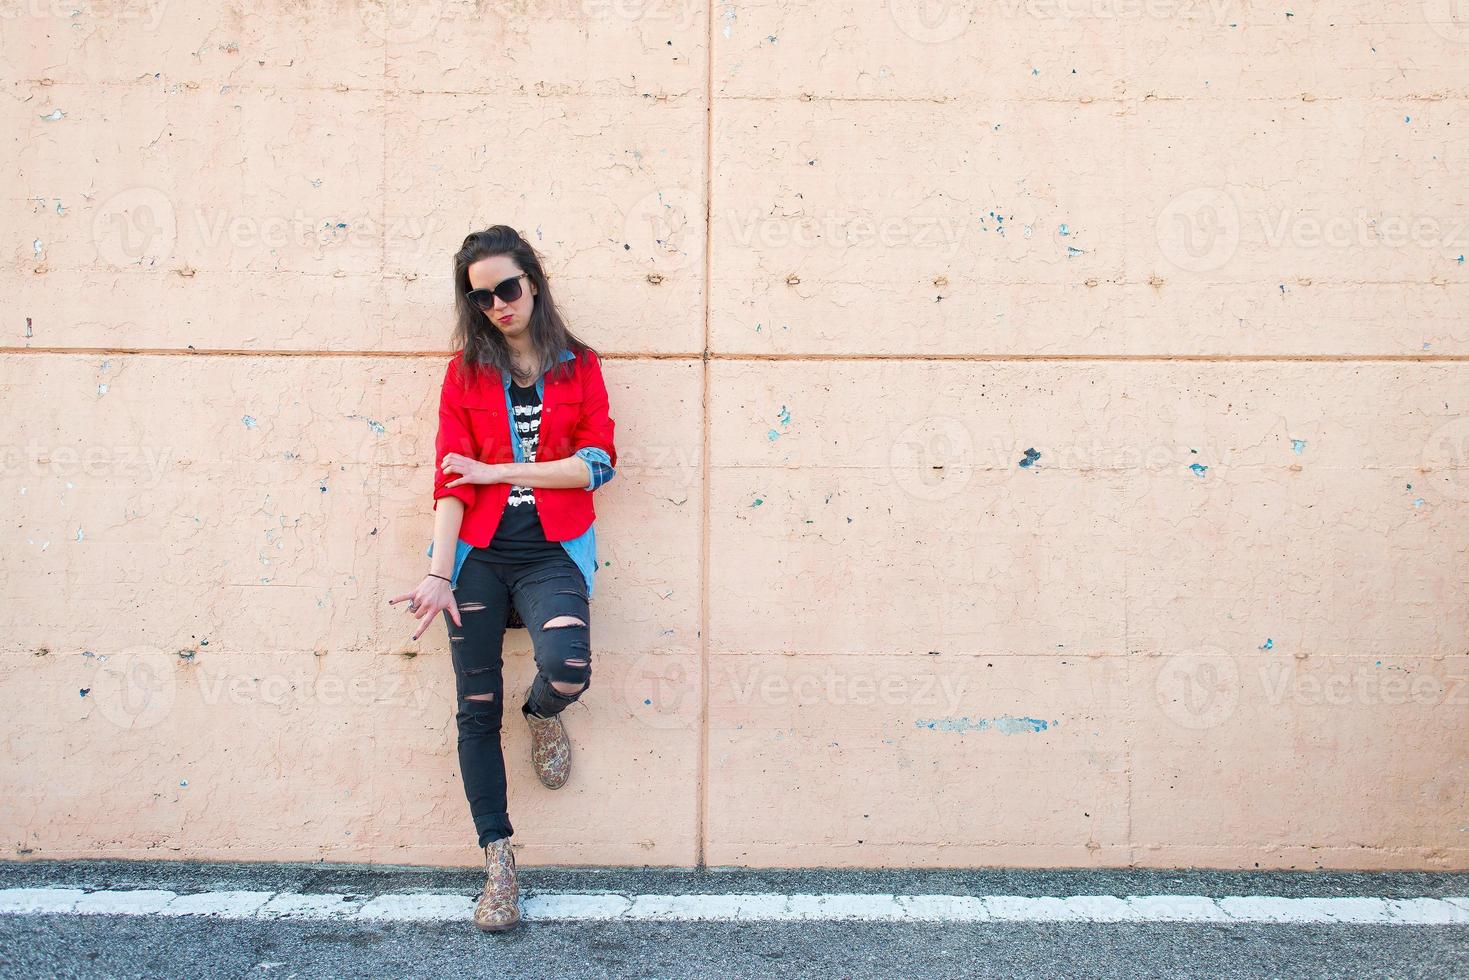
[{"x": 764, "y": 907}]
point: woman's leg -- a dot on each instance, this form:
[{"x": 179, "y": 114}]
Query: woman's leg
[
  {"x": 483, "y": 599},
  {"x": 552, "y": 600}
]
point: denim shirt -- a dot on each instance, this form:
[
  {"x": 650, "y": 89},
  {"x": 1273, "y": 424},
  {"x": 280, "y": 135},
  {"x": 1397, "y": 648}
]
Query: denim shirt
[{"x": 583, "y": 547}]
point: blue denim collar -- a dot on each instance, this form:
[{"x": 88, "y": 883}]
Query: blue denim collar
[{"x": 564, "y": 355}]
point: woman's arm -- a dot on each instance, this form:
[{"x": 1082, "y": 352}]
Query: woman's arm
[
  {"x": 447, "y": 521},
  {"x": 568, "y": 472}
]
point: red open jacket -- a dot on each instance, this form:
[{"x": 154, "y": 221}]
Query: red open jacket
[{"x": 474, "y": 420}]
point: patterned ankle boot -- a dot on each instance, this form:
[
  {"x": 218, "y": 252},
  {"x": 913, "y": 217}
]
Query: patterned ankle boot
[
  {"x": 499, "y": 904},
  {"x": 550, "y": 750}
]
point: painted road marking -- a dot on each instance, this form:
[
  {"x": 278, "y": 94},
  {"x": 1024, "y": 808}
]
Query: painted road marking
[{"x": 764, "y": 907}]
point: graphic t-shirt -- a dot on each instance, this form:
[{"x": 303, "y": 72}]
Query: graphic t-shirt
[{"x": 520, "y": 537}]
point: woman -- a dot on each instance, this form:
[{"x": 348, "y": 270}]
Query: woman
[{"x": 524, "y": 438}]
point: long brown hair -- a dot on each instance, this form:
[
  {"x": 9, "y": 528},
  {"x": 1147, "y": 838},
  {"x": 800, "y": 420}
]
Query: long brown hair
[{"x": 482, "y": 346}]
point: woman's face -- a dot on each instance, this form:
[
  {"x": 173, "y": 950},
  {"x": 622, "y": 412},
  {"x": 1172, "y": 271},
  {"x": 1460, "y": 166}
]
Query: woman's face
[{"x": 511, "y": 319}]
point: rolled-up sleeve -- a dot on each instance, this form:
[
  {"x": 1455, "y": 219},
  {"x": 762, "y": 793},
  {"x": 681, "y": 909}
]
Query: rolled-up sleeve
[
  {"x": 594, "y": 437},
  {"x": 598, "y": 463},
  {"x": 453, "y": 437}
]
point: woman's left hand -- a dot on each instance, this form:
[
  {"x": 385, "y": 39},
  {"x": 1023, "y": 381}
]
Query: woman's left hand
[{"x": 470, "y": 470}]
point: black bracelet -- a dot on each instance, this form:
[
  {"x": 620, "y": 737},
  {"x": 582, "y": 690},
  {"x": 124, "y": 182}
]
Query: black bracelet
[{"x": 450, "y": 581}]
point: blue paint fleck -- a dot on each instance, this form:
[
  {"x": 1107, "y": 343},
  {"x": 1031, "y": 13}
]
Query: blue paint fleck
[
  {"x": 1064, "y": 230},
  {"x": 1298, "y": 446},
  {"x": 772, "y": 435},
  {"x": 1269, "y": 644},
  {"x": 1030, "y": 457},
  {"x": 85, "y": 691},
  {"x": 1004, "y": 724},
  {"x": 1199, "y": 468},
  {"x": 249, "y": 421},
  {"x": 1072, "y": 251}
]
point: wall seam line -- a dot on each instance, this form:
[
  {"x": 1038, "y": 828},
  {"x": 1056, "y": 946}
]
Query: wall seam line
[{"x": 702, "y": 795}]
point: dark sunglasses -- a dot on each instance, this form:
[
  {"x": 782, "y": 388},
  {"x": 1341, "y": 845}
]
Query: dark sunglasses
[{"x": 508, "y": 291}]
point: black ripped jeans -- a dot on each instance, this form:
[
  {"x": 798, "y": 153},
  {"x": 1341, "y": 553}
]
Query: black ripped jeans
[{"x": 540, "y": 591}]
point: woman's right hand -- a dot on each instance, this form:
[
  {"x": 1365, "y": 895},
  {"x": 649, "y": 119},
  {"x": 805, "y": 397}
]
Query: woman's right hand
[{"x": 431, "y": 597}]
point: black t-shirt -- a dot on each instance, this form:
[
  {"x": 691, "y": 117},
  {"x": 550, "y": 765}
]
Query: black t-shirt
[{"x": 520, "y": 537}]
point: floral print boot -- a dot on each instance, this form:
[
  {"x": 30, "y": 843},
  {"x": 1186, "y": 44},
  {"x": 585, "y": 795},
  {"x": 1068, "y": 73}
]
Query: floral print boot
[
  {"x": 550, "y": 750},
  {"x": 499, "y": 904}
]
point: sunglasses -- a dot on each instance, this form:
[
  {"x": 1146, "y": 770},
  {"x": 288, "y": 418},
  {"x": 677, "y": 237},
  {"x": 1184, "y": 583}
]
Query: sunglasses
[{"x": 509, "y": 291}]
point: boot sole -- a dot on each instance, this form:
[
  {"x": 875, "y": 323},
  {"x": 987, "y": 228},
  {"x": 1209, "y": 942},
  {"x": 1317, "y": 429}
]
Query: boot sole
[{"x": 505, "y": 928}]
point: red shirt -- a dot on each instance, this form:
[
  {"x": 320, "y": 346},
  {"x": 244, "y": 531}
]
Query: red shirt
[{"x": 474, "y": 421}]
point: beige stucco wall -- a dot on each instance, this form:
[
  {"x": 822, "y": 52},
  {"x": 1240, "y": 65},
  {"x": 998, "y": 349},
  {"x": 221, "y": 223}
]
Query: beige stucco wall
[{"x": 1205, "y": 259}]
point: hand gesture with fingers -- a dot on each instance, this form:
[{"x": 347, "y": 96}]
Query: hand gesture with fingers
[{"x": 431, "y": 597}]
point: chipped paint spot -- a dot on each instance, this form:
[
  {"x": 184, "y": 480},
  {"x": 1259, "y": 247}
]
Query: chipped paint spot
[
  {"x": 1004, "y": 724},
  {"x": 1031, "y": 455},
  {"x": 758, "y": 502},
  {"x": 1298, "y": 446},
  {"x": 249, "y": 421},
  {"x": 1198, "y": 468},
  {"x": 53, "y": 115},
  {"x": 1269, "y": 644}
]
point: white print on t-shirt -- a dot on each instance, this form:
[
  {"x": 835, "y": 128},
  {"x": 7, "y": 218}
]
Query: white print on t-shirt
[{"x": 528, "y": 430}]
